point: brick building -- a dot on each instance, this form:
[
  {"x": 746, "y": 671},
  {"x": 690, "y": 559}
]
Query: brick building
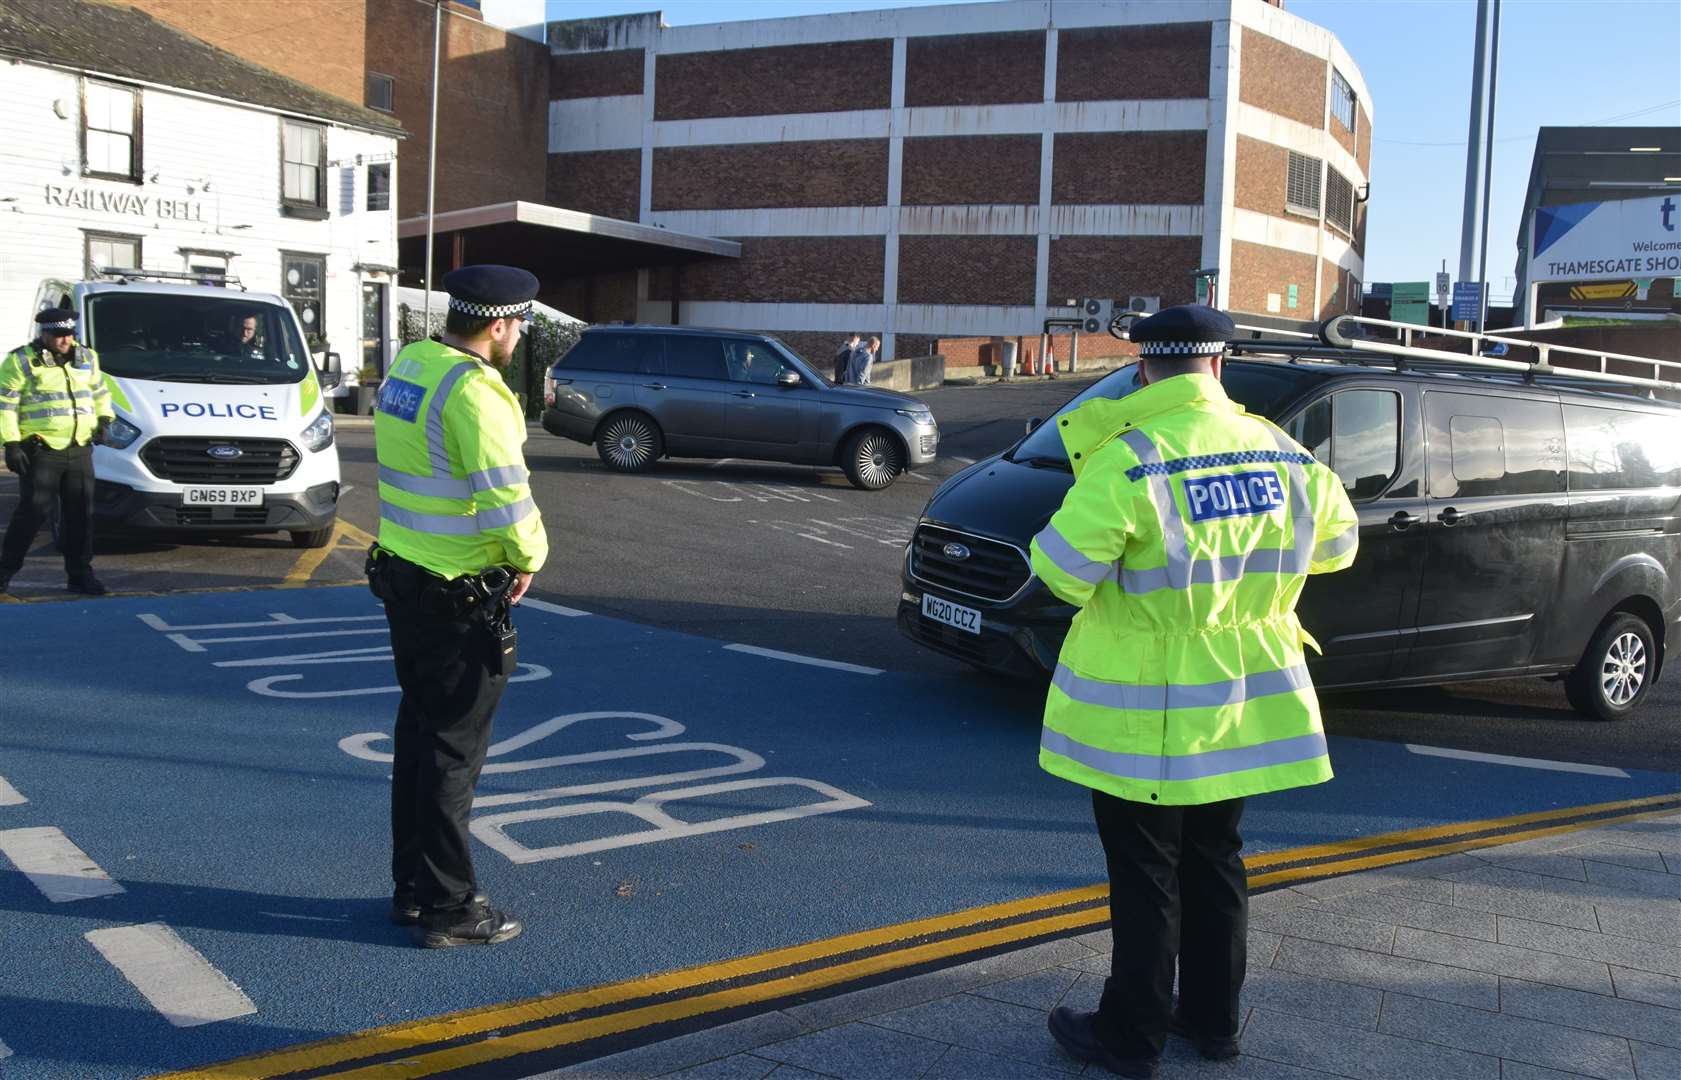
[{"x": 884, "y": 174}]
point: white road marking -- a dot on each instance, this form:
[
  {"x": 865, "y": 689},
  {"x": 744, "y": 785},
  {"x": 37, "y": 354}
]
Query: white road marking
[
  {"x": 197, "y": 644},
  {"x": 5, "y": 1051},
  {"x": 370, "y": 655},
  {"x": 796, "y": 658},
  {"x": 1520, "y": 762},
  {"x": 171, "y": 974},
  {"x": 61, "y": 870},
  {"x": 9, "y": 795},
  {"x": 277, "y": 618},
  {"x": 552, "y": 609},
  {"x": 964, "y": 460}
]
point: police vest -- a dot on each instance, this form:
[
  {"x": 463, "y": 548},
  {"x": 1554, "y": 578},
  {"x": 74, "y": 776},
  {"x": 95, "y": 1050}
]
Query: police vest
[
  {"x": 62, "y": 403},
  {"x": 1185, "y": 542},
  {"x": 453, "y": 488}
]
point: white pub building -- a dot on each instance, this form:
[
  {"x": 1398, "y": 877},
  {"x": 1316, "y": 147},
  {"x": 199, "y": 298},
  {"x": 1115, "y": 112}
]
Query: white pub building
[{"x": 129, "y": 144}]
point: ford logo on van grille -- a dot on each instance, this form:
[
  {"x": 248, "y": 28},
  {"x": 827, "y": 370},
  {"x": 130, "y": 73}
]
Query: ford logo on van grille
[
  {"x": 956, "y": 552},
  {"x": 225, "y": 453}
]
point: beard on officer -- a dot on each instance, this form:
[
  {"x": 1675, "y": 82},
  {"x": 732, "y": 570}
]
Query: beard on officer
[
  {"x": 459, "y": 540},
  {"x": 1182, "y": 687}
]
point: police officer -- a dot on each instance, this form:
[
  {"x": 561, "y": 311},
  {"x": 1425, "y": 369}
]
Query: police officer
[
  {"x": 54, "y": 406},
  {"x": 1181, "y": 688},
  {"x": 459, "y": 539}
]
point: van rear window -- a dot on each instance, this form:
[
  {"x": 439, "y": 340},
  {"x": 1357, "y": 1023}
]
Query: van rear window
[{"x": 1614, "y": 448}]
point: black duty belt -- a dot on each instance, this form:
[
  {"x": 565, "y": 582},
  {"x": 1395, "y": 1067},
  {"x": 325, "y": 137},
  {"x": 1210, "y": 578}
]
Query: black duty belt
[{"x": 395, "y": 579}]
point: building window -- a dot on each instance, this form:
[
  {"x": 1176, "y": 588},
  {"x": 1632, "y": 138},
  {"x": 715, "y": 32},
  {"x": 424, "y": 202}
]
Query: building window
[
  {"x": 1301, "y": 184},
  {"x": 110, "y": 131},
  {"x": 379, "y": 186},
  {"x": 380, "y": 91},
  {"x": 303, "y": 167},
  {"x": 1339, "y": 202},
  {"x": 207, "y": 265},
  {"x": 301, "y": 280},
  {"x": 111, "y": 251},
  {"x": 1342, "y": 100}
]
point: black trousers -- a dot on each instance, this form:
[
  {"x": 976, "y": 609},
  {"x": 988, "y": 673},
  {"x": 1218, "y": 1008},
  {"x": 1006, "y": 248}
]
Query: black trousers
[
  {"x": 61, "y": 476},
  {"x": 1177, "y": 890},
  {"x": 450, "y": 668}
]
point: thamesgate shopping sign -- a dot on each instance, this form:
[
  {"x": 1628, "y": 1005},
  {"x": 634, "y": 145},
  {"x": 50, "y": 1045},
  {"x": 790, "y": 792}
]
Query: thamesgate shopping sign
[{"x": 1606, "y": 240}]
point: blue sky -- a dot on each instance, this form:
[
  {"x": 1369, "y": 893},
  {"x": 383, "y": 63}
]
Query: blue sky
[{"x": 1562, "y": 63}]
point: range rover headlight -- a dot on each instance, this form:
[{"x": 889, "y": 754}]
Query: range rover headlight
[
  {"x": 319, "y": 434},
  {"x": 924, "y": 417},
  {"x": 121, "y": 434}
]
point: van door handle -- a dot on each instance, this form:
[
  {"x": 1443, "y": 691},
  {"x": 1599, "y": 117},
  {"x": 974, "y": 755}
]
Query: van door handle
[
  {"x": 1448, "y": 517},
  {"x": 1402, "y": 520},
  {"x": 745, "y": 393},
  {"x": 653, "y": 386}
]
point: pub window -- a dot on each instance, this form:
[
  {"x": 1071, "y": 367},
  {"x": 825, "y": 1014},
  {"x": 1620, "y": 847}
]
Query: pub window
[
  {"x": 112, "y": 251},
  {"x": 1301, "y": 184},
  {"x": 1342, "y": 100},
  {"x": 380, "y": 91},
  {"x": 211, "y": 265},
  {"x": 379, "y": 186},
  {"x": 303, "y": 166},
  {"x": 1339, "y": 201},
  {"x": 110, "y": 131},
  {"x": 302, "y": 278}
]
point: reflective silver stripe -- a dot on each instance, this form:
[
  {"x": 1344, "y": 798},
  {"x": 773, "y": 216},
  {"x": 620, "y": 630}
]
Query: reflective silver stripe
[
  {"x": 1337, "y": 545},
  {"x": 436, "y": 450},
  {"x": 1224, "y": 568},
  {"x": 499, "y": 516},
  {"x": 1068, "y": 559},
  {"x": 1302, "y": 524},
  {"x": 42, "y": 414},
  {"x": 1177, "y": 548},
  {"x": 443, "y": 487},
  {"x": 501, "y": 476},
  {"x": 1159, "y": 697},
  {"x": 46, "y": 397},
  {"x": 1291, "y": 751},
  {"x": 442, "y": 524}
]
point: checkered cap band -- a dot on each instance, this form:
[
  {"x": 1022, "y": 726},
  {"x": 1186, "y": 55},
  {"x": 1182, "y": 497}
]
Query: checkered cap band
[
  {"x": 1180, "y": 348},
  {"x": 67, "y": 324},
  {"x": 490, "y": 311}
]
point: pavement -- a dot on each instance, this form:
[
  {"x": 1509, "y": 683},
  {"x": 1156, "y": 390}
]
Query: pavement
[{"x": 1543, "y": 959}]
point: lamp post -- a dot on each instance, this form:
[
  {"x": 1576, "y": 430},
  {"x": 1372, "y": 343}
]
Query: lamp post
[{"x": 432, "y": 159}]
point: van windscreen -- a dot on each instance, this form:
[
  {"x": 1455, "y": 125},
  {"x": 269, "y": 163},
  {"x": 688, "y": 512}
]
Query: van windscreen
[{"x": 189, "y": 338}]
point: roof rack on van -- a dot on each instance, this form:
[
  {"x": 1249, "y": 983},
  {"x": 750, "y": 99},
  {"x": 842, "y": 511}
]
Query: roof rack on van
[
  {"x": 1347, "y": 337},
  {"x": 124, "y": 275}
]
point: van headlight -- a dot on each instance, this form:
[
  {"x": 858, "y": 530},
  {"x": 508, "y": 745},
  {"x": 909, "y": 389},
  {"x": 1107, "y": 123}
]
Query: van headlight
[
  {"x": 319, "y": 434},
  {"x": 121, "y": 434}
]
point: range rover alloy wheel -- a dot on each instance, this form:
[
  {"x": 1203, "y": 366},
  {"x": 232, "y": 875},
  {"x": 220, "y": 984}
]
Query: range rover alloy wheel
[
  {"x": 629, "y": 442},
  {"x": 873, "y": 459}
]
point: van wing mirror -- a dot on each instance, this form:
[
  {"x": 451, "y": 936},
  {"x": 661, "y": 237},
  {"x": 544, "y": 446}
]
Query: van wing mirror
[
  {"x": 332, "y": 372},
  {"x": 1033, "y": 423}
]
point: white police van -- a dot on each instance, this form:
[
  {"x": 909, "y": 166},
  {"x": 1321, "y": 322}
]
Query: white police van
[{"x": 222, "y": 425}]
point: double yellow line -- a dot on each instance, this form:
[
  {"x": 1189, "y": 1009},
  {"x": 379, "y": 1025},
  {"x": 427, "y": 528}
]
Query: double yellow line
[
  {"x": 310, "y": 561},
  {"x": 458, "y": 1040}
]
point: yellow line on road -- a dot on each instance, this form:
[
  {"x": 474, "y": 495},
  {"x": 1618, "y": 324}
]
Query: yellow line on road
[
  {"x": 310, "y": 561},
  {"x": 449, "y": 1027}
]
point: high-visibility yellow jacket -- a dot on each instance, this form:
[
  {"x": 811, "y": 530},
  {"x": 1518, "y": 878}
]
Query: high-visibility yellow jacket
[
  {"x": 62, "y": 401},
  {"x": 454, "y": 492},
  {"x": 1185, "y": 541}
]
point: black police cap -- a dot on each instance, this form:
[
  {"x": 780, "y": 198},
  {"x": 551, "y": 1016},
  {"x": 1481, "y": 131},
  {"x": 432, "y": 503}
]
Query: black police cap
[
  {"x": 1187, "y": 330},
  {"x": 57, "y": 320},
  {"x": 491, "y": 292}
]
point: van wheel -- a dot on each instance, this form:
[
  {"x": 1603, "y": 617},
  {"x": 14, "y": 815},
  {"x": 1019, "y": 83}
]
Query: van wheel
[
  {"x": 1615, "y": 672},
  {"x": 313, "y": 538},
  {"x": 629, "y": 442},
  {"x": 873, "y": 459}
]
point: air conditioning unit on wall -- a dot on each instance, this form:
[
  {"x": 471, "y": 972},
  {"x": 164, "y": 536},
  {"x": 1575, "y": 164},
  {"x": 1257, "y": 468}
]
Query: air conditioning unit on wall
[{"x": 1148, "y": 305}]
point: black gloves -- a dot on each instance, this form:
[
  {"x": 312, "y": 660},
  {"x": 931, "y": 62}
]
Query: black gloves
[
  {"x": 16, "y": 460},
  {"x": 99, "y": 432}
]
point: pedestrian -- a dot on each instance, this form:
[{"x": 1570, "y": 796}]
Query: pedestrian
[
  {"x": 863, "y": 361},
  {"x": 1181, "y": 688},
  {"x": 54, "y": 407},
  {"x": 459, "y": 540},
  {"x": 843, "y": 357}
]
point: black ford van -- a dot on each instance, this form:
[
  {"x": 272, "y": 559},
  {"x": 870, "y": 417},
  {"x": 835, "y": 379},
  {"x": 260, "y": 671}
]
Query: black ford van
[{"x": 1508, "y": 526}]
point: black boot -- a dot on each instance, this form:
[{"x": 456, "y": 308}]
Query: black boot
[
  {"x": 1215, "y": 1048},
  {"x": 470, "y": 924},
  {"x": 405, "y": 910},
  {"x": 6, "y": 581},
  {"x": 1076, "y": 1033},
  {"x": 86, "y": 584}
]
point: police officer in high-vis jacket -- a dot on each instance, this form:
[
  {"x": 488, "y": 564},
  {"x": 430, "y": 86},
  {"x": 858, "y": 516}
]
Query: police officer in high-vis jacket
[
  {"x": 1181, "y": 688},
  {"x": 459, "y": 539},
  {"x": 54, "y": 406}
]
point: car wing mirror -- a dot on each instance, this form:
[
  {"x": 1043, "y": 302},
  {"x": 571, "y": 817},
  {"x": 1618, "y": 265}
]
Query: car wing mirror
[
  {"x": 788, "y": 378},
  {"x": 332, "y": 372}
]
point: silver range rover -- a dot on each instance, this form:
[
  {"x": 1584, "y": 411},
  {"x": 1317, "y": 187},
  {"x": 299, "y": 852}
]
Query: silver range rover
[{"x": 640, "y": 393}]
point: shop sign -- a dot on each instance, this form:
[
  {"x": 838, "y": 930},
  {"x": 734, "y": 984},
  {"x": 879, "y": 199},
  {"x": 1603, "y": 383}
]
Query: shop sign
[{"x": 125, "y": 203}]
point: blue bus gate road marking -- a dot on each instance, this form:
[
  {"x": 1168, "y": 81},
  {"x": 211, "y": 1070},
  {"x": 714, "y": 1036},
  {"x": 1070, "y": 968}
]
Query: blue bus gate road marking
[{"x": 237, "y": 818}]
